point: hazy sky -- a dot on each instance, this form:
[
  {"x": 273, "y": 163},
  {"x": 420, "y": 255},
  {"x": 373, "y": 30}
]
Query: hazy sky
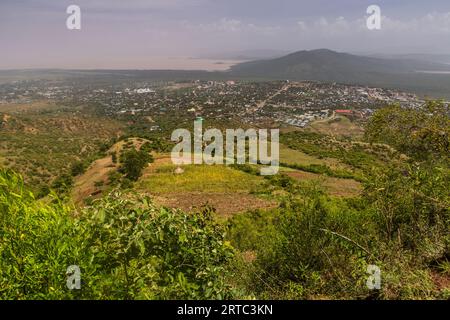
[{"x": 145, "y": 33}]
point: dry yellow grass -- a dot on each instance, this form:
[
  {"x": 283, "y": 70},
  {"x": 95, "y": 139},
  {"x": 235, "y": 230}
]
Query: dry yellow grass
[
  {"x": 85, "y": 184},
  {"x": 198, "y": 178},
  {"x": 225, "y": 189}
]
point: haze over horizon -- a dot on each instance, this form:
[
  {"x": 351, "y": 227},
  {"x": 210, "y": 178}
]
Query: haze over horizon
[{"x": 172, "y": 34}]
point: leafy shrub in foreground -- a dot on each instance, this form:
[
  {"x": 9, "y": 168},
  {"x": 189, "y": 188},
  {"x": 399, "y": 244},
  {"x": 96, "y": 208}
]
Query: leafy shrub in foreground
[
  {"x": 308, "y": 247},
  {"x": 126, "y": 249}
]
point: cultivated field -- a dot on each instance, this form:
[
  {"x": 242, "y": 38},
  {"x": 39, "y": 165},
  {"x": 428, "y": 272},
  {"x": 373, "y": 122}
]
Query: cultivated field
[{"x": 225, "y": 189}]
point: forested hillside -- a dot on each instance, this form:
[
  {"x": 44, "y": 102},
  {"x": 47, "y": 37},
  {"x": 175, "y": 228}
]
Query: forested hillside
[{"x": 310, "y": 245}]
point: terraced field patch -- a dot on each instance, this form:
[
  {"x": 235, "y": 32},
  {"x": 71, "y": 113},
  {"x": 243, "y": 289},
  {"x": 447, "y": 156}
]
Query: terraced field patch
[{"x": 225, "y": 189}]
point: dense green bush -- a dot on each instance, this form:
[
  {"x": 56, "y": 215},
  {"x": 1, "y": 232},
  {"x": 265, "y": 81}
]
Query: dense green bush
[
  {"x": 306, "y": 248},
  {"x": 315, "y": 246},
  {"x": 77, "y": 169},
  {"x": 125, "y": 247},
  {"x": 421, "y": 133},
  {"x": 62, "y": 184},
  {"x": 37, "y": 244},
  {"x": 133, "y": 162},
  {"x": 412, "y": 208}
]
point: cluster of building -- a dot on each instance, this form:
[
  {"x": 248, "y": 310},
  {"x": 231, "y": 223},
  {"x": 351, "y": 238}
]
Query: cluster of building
[
  {"x": 304, "y": 120},
  {"x": 304, "y": 102},
  {"x": 292, "y": 103}
]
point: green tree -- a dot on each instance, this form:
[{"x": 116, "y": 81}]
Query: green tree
[
  {"x": 77, "y": 168},
  {"x": 133, "y": 162},
  {"x": 421, "y": 133}
]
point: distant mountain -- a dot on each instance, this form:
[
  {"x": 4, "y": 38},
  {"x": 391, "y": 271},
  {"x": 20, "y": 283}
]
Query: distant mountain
[
  {"x": 327, "y": 65},
  {"x": 410, "y": 73}
]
